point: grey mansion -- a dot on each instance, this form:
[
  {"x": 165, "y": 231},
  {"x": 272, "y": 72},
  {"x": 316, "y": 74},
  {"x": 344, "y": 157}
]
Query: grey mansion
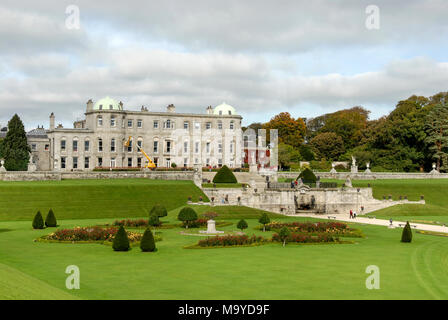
[{"x": 168, "y": 138}]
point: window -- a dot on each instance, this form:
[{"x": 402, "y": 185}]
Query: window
[
  {"x": 63, "y": 162},
  {"x": 100, "y": 145},
  {"x": 110, "y": 107},
  {"x": 185, "y": 124},
  {"x": 168, "y": 162},
  {"x": 219, "y": 147},
  {"x": 112, "y": 121},
  {"x": 130, "y": 123},
  {"x": 196, "y": 160},
  {"x": 100, "y": 162},
  {"x": 156, "y": 124},
  {"x": 230, "y": 113},
  {"x": 62, "y": 145},
  {"x": 231, "y": 125},
  {"x": 231, "y": 147},
  {"x": 130, "y": 146},
  {"x": 139, "y": 144},
  {"x": 186, "y": 147},
  {"x": 139, "y": 162},
  {"x": 112, "y": 145},
  {"x": 33, "y": 147},
  {"x": 112, "y": 162},
  {"x": 75, "y": 145},
  {"x": 129, "y": 162},
  {"x": 207, "y": 147},
  {"x": 139, "y": 123},
  {"x": 47, "y": 147},
  {"x": 156, "y": 161},
  {"x": 220, "y": 163},
  {"x": 168, "y": 146},
  {"x": 208, "y": 125},
  {"x": 219, "y": 125},
  {"x": 156, "y": 147},
  {"x": 185, "y": 162},
  {"x": 207, "y": 162},
  {"x": 86, "y": 145},
  {"x": 101, "y": 107},
  {"x": 220, "y": 112},
  {"x": 168, "y": 124},
  {"x": 86, "y": 162},
  {"x": 75, "y": 162},
  {"x": 196, "y": 147},
  {"x": 100, "y": 120}
]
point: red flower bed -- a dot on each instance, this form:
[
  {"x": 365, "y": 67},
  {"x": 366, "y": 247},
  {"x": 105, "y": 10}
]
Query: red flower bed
[
  {"x": 309, "y": 227},
  {"x": 305, "y": 238},
  {"x": 201, "y": 222},
  {"x": 131, "y": 223},
  {"x": 230, "y": 241},
  {"x": 89, "y": 234}
]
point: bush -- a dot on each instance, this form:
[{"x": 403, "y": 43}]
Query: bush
[
  {"x": 307, "y": 176},
  {"x": 406, "y": 236},
  {"x": 264, "y": 220},
  {"x": 284, "y": 234},
  {"x": 158, "y": 210},
  {"x": 131, "y": 223},
  {"x": 50, "y": 220},
  {"x": 187, "y": 215},
  {"x": 230, "y": 240},
  {"x": 38, "y": 221},
  {"x": 154, "y": 220},
  {"x": 148, "y": 244},
  {"x": 242, "y": 224},
  {"x": 121, "y": 240},
  {"x": 224, "y": 175}
]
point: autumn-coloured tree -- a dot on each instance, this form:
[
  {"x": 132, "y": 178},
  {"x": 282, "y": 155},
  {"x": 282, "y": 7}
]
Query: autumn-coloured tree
[{"x": 290, "y": 130}]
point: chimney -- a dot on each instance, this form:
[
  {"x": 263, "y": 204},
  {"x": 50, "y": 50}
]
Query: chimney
[
  {"x": 52, "y": 121},
  {"x": 209, "y": 110},
  {"x": 171, "y": 108},
  {"x": 89, "y": 105}
]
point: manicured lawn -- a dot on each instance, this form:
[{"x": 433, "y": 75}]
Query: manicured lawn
[{"x": 80, "y": 199}]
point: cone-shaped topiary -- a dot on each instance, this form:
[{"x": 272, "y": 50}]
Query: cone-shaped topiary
[
  {"x": 224, "y": 175},
  {"x": 50, "y": 220},
  {"x": 159, "y": 210},
  {"x": 148, "y": 244},
  {"x": 154, "y": 220},
  {"x": 38, "y": 221},
  {"x": 242, "y": 224},
  {"x": 264, "y": 220},
  {"x": 406, "y": 236},
  {"x": 187, "y": 215},
  {"x": 121, "y": 240},
  {"x": 307, "y": 176}
]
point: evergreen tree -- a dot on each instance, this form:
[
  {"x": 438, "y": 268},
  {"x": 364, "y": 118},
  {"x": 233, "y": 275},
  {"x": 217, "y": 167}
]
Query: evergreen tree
[
  {"x": 264, "y": 220},
  {"x": 50, "y": 220},
  {"x": 242, "y": 224},
  {"x": 284, "y": 234},
  {"x": 15, "y": 148},
  {"x": 307, "y": 176},
  {"x": 406, "y": 236},
  {"x": 187, "y": 215},
  {"x": 159, "y": 210},
  {"x": 154, "y": 220},
  {"x": 224, "y": 175},
  {"x": 38, "y": 221},
  {"x": 437, "y": 132},
  {"x": 121, "y": 240},
  {"x": 148, "y": 243}
]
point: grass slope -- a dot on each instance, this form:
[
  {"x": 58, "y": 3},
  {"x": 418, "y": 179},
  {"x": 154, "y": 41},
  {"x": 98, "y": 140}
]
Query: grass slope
[{"x": 78, "y": 199}]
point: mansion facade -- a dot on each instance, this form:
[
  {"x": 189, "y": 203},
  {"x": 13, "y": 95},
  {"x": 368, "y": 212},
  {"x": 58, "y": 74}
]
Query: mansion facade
[{"x": 168, "y": 138}]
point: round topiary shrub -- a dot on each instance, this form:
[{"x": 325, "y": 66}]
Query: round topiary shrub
[
  {"x": 224, "y": 175},
  {"x": 154, "y": 220},
  {"x": 406, "y": 236},
  {"x": 148, "y": 244},
  {"x": 38, "y": 221},
  {"x": 187, "y": 215},
  {"x": 158, "y": 210},
  {"x": 121, "y": 240},
  {"x": 50, "y": 220},
  {"x": 242, "y": 224},
  {"x": 307, "y": 176}
]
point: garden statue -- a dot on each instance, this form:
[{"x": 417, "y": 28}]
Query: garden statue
[
  {"x": 348, "y": 182},
  {"x": 434, "y": 170},
  {"x": 2, "y": 168},
  {"x": 354, "y": 168},
  {"x": 368, "y": 168},
  {"x": 333, "y": 170}
]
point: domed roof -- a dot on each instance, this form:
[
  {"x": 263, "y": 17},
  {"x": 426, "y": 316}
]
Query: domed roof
[
  {"x": 224, "y": 110},
  {"x": 107, "y": 104}
]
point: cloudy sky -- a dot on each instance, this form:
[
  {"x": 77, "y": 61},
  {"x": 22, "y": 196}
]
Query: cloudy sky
[{"x": 262, "y": 57}]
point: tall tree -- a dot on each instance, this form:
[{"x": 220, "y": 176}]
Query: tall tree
[
  {"x": 15, "y": 147},
  {"x": 327, "y": 145},
  {"x": 290, "y": 130},
  {"x": 437, "y": 132}
]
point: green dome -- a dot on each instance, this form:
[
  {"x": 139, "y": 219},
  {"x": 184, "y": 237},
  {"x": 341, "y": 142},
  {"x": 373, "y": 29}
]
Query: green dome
[
  {"x": 107, "y": 104},
  {"x": 224, "y": 109}
]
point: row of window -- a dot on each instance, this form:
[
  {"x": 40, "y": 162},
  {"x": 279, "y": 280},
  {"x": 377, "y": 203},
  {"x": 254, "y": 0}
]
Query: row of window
[{"x": 168, "y": 124}]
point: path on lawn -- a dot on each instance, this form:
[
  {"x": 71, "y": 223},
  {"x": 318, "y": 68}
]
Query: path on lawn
[{"x": 378, "y": 222}]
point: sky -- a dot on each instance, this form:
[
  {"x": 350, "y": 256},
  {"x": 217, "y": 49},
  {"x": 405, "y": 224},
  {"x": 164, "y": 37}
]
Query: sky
[{"x": 262, "y": 57}]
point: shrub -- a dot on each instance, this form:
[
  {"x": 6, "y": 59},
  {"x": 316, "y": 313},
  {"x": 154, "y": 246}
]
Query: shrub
[
  {"x": 284, "y": 234},
  {"x": 38, "y": 221},
  {"x": 264, "y": 220},
  {"x": 187, "y": 215},
  {"x": 224, "y": 175},
  {"x": 50, "y": 220},
  {"x": 242, "y": 224},
  {"x": 154, "y": 220},
  {"x": 307, "y": 176},
  {"x": 131, "y": 223},
  {"x": 230, "y": 240},
  {"x": 148, "y": 244},
  {"x": 159, "y": 210},
  {"x": 121, "y": 240},
  {"x": 406, "y": 236},
  {"x": 196, "y": 223}
]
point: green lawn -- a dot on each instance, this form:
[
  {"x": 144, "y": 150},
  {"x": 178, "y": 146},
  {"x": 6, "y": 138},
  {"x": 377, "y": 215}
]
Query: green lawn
[{"x": 80, "y": 199}]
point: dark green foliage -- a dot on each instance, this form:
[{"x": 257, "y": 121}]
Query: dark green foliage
[
  {"x": 224, "y": 175},
  {"x": 50, "y": 220},
  {"x": 187, "y": 215},
  {"x": 154, "y": 220},
  {"x": 307, "y": 176},
  {"x": 121, "y": 240},
  {"x": 147, "y": 244},
  {"x": 38, "y": 221},
  {"x": 406, "y": 236},
  {"x": 264, "y": 220},
  {"x": 284, "y": 234},
  {"x": 242, "y": 224},
  {"x": 15, "y": 147},
  {"x": 158, "y": 210}
]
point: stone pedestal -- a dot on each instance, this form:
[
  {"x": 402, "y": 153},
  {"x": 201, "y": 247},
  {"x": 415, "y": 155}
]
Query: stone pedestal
[
  {"x": 211, "y": 227},
  {"x": 354, "y": 169},
  {"x": 253, "y": 168}
]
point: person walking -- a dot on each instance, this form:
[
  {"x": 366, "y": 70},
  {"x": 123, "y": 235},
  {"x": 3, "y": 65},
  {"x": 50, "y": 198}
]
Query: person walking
[
  {"x": 351, "y": 214},
  {"x": 354, "y": 214}
]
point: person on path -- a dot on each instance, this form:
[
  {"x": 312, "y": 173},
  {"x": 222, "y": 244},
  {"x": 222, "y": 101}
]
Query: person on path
[
  {"x": 354, "y": 215},
  {"x": 351, "y": 214}
]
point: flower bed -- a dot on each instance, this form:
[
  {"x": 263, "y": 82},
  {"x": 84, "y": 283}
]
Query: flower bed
[
  {"x": 231, "y": 240},
  {"x": 89, "y": 234},
  {"x": 306, "y": 238},
  {"x": 308, "y": 227},
  {"x": 136, "y": 223}
]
